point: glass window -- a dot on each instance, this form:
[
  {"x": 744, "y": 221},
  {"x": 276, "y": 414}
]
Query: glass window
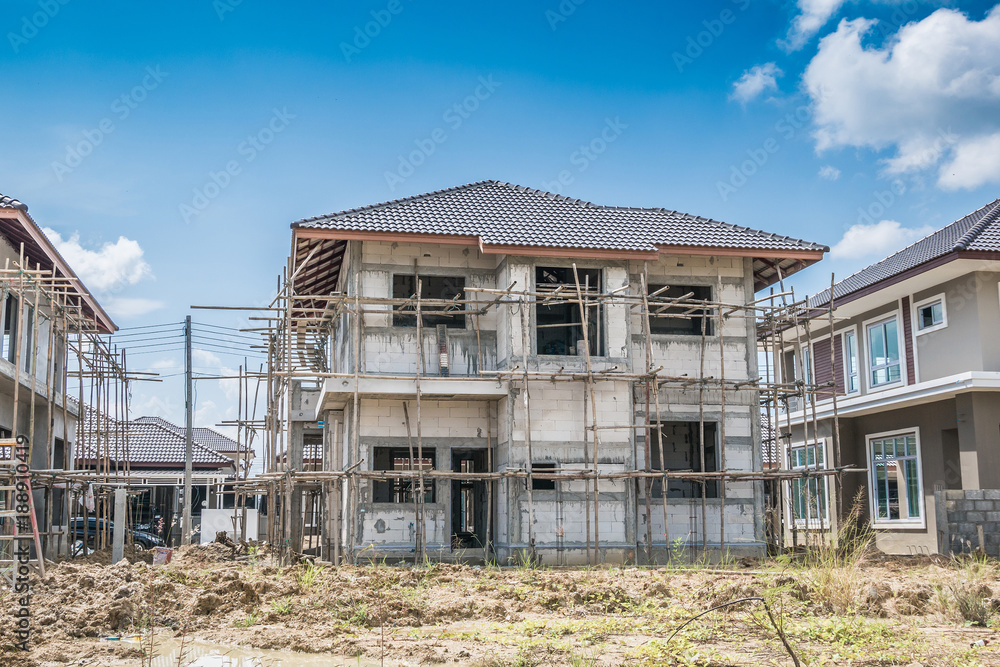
[
  {"x": 930, "y": 315},
  {"x": 29, "y": 340},
  {"x": 806, "y": 376},
  {"x": 10, "y": 328},
  {"x": 851, "y": 359},
  {"x": 666, "y": 318},
  {"x": 435, "y": 289},
  {"x": 808, "y": 494},
  {"x": 895, "y": 478},
  {"x": 883, "y": 352}
]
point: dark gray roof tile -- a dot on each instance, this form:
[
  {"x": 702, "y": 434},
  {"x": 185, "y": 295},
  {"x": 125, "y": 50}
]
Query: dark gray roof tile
[
  {"x": 147, "y": 443},
  {"x": 205, "y": 436},
  {"x": 506, "y": 214},
  {"x": 978, "y": 231}
]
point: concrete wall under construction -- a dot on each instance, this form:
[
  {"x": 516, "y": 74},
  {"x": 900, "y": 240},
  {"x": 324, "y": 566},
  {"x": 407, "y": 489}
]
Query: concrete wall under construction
[{"x": 489, "y": 426}]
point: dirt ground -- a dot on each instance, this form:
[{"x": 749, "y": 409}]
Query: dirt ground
[{"x": 876, "y": 612}]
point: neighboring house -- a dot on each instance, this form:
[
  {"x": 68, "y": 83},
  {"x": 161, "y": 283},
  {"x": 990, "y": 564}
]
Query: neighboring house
[
  {"x": 916, "y": 365},
  {"x": 33, "y": 345},
  {"x": 154, "y": 456},
  {"x": 212, "y": 439},
  {"x": 494, "y": 236},
  {"x": 45, "y": 313}
]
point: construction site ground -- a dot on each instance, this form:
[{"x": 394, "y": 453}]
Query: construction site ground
[{"x": 214, "y": 599}]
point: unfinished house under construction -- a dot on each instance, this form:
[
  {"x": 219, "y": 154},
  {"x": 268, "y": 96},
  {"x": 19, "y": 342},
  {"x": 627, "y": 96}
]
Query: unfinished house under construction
[
  {"x": 495, "y": 372},
  {"x": 53, "y": 362}
]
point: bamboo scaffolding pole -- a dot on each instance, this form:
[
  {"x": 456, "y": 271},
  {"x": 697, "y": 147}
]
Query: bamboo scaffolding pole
[
  {"x": 525, "y": 396},
  {"x": 421, "y": 526},
  {"x": 701, "y": 435},
  {"x": 298, "y": 324},
  {"x": 722, "y": 433},
  {"x": 589, "y": 388},
  {"x": 838, "y": 489}
]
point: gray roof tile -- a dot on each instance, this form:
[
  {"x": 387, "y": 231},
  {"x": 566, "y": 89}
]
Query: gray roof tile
[
  {"x": 979, "y": 231},
  {"x": 148, "y": 443},
  {"x": 10, "y": 202},
  {"x": 505, "y": 214},
  {"x": 205, "y": 436}
]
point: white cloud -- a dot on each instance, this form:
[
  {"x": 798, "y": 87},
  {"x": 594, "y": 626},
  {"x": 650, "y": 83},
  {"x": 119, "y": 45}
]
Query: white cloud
[
  {"x": 206, "y": 358},
  {"x": 113, "y": 266},
  {"x": 155, "y": 406},
  {"x": 207, "y": 414},
  {"x": 932, "y": 94},
  {"x": 973, "y": 163},
  {"x": 126, "y": 308},
  {"x": 829, "y": 172},
  {"x": 209, "y": 361},
  {"x": 755, "y": 82},
  {"x": 812, "y": 16},
  {"x": 876, "y": 240}
]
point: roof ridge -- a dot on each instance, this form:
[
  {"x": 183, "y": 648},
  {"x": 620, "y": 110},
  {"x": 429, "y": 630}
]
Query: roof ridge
[
  {"x": 393, "y": 202},
  {"x": 988, "y": 219},
  {"x": 174, "y": 433}
]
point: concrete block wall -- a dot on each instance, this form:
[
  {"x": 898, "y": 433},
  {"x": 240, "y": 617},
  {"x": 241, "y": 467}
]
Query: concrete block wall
[
  {"x": 685, "y": 517},
  {"x": 384, "y": 418},
  {"x": 392, "y": 350},
  {"x": 558, "y": 421},
  {"x": 966, "y": 510}
]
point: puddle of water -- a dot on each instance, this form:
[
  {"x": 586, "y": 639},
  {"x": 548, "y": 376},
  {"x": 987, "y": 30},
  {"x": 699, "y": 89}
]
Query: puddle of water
[{"x": 206, "y": 654}]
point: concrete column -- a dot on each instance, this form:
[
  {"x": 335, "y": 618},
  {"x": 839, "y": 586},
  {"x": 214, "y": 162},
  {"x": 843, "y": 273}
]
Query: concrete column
[{"x": 118, "y": 538}]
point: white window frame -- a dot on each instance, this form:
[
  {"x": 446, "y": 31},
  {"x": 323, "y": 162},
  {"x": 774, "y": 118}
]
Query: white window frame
[
  {"x": 873, "y": 508},
  {"x": 822, "y": 522},
  {"x": 845, "y": 354},
  {"x": 927, "y": 302},
  {"x": 869, "y": 386},
  {"x": 808, "y": 368}
]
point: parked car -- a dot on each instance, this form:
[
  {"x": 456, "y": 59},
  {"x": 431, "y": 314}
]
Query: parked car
[{"x": 140, "y": 538}]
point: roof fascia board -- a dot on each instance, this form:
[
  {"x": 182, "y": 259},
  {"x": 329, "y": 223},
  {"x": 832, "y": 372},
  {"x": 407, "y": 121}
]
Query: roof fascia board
[
  {"x": 757, "y": 253},
  {"x": 557, "y": 251},
  {"x": 550, "y": 251},
  {"x": 405, "y": 237}
]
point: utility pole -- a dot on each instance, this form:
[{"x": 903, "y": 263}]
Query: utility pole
[{"x": 189, "y": 419}]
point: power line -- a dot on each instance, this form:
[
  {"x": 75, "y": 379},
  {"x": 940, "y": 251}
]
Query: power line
[
  {"x": 152, "y": 326},
  {"x": 225, "y": 340},
  {"x": 244, "y": 350},
  {"x": 131, "y": 343},
  {"x": 216, "y": 326},
  {"x": 137, "y": 354}
]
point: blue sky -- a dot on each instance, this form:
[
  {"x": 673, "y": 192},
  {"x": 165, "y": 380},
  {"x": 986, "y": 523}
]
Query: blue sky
[{"x": 169, "y": 147}]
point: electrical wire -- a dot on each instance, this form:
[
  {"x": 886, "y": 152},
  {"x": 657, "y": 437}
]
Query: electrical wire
[
  {"x": 225, "y": 340},
  {"x": 151, "y": 326},
  {"x": 229, "y": 331}
]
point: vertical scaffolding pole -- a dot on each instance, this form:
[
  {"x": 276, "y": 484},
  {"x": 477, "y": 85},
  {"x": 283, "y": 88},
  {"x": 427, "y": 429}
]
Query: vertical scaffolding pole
[{"x": 188, "y": 432}]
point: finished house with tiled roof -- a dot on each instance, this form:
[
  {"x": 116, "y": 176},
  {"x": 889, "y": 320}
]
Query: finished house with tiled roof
[
  {"x": 916, "y": 365},
  {"x": 152, "y": 451},
  {"x": 212, "y": 439},
  {"x": 505, "y": 244}
]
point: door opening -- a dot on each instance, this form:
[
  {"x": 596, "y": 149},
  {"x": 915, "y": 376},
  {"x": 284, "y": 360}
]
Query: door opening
[{"x": 468, "y": 501}]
